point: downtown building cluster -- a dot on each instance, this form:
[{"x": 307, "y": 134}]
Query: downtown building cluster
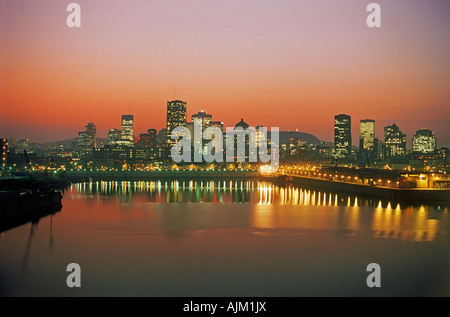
[
  {"x": 125, "y": 149},
  {"x": 391, "y": 149}
]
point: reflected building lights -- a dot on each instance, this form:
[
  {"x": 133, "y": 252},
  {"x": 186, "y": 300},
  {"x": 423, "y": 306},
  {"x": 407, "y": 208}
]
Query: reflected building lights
[{"x": 389, "y": 219}]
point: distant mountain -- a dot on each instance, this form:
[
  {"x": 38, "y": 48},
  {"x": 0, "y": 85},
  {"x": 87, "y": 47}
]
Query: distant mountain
[{"x": 285, "y": 135}]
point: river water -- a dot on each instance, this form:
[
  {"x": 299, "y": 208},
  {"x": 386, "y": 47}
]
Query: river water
[{"x": 227, "y": 238}]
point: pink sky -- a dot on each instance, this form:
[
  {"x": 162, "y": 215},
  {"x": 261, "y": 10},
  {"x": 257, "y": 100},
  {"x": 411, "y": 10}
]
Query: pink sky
[{"x": 289, "y": 64}]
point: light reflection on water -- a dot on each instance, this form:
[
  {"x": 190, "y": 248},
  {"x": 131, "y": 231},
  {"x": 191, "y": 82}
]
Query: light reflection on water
[
  {"x": 226, "y": 238},
  {"x": 387, "y": 219}
]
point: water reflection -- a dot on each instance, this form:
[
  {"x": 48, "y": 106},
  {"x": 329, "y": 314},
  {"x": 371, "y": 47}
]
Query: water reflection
[{"x": 275, "y": 207}]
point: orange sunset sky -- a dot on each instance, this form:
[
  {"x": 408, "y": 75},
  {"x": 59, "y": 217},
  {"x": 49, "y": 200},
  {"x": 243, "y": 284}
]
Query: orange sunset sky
[{"x": 290, "y": 64}]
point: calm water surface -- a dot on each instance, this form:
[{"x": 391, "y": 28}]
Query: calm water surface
[{"x": 226, "y": 238}]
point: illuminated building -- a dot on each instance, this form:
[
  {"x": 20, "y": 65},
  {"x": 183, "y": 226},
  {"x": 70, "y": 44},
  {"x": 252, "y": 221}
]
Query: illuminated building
[
  {"x": 92, "y": 130},
  {"x": 127, "y": 132},
  {"x": 85, "y": 143},
  {"x": 176, "y": 117},
  {"x": 394, "y": 142},
  {"x": 368, "y": 144},
  {"x": 200, "y": 122},
  {"x": 424, "y": 141},
  {"x": 342, "y": 135},
  {"x": 148, "y": 142},
  {"x": 113, "y": 136},
  {"x": 86, "y": 140},
  {"x": 203, "y": 118},
  {"x": 367, "y": 135}
]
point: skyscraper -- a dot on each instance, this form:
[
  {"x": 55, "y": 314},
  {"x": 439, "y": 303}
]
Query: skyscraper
[
  {"x": 204, "y": 118},
  {"x": 87, "y": 140},
  {"x": 200, "y": 122},
  {"x": 92, "y": 130},
  {"x": 367, "y": 135},
  {"x": 394, "y": 142},
  {"x": 113, "y": 136},
  {"x": 424, "y": 141},
  {"x": 176, "y": 117},
  {"x": 85, "y": 143},
  {"x": 342, "y": 134},
  {"x": 127, "y": 133},
  {"x": 147, "y": 140}
]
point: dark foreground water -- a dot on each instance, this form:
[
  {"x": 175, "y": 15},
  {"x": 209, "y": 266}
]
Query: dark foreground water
[{"x": 229, "y": 238}]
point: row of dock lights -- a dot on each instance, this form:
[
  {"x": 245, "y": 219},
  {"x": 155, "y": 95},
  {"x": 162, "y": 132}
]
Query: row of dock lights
[{"x": 337, "y": 176}]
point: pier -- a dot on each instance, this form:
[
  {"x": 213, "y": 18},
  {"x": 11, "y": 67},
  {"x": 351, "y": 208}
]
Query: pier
[{"x": 386, "y": 184}]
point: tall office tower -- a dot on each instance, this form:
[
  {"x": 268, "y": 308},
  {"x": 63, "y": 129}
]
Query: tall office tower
[
  {"x": 127, "y": 133},
  {"x": 153, "y": 138},
  {"x": 394, "y": 142},
  {"x": 176, "y": 117},
  {"x": 342, "y": 134},
  {"x": 85, "y": 143},
  {"x": 424, "y": 141},
  {"x": 162, "y": 137},
  {"x": 367, "y": 135},
  {"x": 3, "y": 152},
  {"x": 113, "y": 136},
  {"x": 200, "y": 122},
  {"x": 162, "y": 144},
  {"x": 87, "y": 139},
  {"x": 147, "y": 140},
  {"x": 203, "y": 118},
  {"x": 92, "y": 130}
]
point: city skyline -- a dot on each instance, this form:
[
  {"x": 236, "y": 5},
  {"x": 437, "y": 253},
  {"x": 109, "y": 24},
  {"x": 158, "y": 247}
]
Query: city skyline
[
  {"x": 356, "y": 141},
  {"x": 292, "y": 65}
]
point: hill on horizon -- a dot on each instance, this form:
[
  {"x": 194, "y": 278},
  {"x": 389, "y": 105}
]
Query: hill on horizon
[{"x": 285, "y": 135}]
